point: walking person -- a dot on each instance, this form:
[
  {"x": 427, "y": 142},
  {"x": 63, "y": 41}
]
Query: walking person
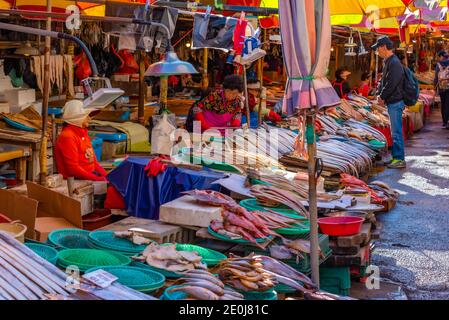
[
  {"x": 390, "y": 93},
  {"x": 441, "y": 83}
]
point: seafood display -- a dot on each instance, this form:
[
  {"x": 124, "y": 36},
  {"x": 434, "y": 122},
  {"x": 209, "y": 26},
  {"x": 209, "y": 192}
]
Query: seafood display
[
  {"x": 271, "y": 195},
  {"x": 133, "y": 237},
  {"x": 245, "y": 274},
  {"x": 353, "y": 184},
  {"x": 289, "y": 276},
  {"x": 211, "y": 197},
  {"x": 166, "y": 257},
  {"x": 203, "y": 285},
  {"x": 290, "y": 249}
]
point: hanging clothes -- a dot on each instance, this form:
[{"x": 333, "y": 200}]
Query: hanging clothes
[
  {"x": 239, "y": 36},
  {"x": 213, "y": 32}
]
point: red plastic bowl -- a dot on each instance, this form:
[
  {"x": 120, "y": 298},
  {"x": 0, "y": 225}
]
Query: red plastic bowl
[
  {"x": 340, "y": 226},
  {"x": 4, "y": 219}
]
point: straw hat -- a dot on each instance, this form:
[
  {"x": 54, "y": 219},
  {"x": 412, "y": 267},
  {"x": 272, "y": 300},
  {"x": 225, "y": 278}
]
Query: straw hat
[{"x": 75, "y": 113}]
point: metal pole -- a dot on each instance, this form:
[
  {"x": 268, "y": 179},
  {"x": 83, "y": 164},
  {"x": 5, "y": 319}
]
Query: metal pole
[
  {"x": 311, "y": 149},
  {"x": 245, "y": 84},
  {"x": 45, "y": 98},
  {"x": 260, "y": 72},
  {"x": 142, "y": 94}
]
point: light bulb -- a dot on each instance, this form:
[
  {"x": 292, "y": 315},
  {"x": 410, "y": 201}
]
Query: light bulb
[{"x": 188, "y": 45}]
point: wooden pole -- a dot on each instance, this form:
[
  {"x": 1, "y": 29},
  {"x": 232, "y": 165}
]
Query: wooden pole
[
  {"x": 142, "y": 93},
  {"x": 45, "y": 98},
  {"x": 245, "y": 85},
  {"x": 260, "y": 76},
  {"x": 163, "y": 93},
  {"x": 311, "y": 149},
  {"x": 337, "y": 54},
  {"x": 205, "y": 82}
]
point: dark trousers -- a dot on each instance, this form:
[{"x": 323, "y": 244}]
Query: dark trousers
[{"x": 445, "y": 105}]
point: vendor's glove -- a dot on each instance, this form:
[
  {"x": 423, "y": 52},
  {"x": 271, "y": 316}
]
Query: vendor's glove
[{"x": 273, "y": 116}]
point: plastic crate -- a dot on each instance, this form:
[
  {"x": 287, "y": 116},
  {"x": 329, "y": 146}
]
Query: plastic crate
[
  {"x": 112, "y": 137},
  {"x": 97, "y": 145},
  {"x": 335, "y": 280}
]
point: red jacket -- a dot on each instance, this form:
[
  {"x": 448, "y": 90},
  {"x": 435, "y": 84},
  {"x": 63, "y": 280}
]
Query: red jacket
[{"x": 75, "y": 156}]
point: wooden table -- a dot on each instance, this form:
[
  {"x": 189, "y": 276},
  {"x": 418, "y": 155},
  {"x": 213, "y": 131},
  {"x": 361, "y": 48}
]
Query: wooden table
[
  {"x": 10, "y": 152},
  {"x": 28, "y": 141}
]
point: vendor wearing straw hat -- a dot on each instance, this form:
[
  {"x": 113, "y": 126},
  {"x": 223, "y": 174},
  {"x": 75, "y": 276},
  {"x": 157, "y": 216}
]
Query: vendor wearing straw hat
[{"x": 74, "y": 154}]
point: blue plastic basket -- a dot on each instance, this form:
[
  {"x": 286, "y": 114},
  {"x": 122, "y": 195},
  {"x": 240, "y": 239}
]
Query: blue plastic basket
[
  {"x": 46, "y": 252},
  {"x": 97, "y": 145},
  {"x": 69, "y": 238}
]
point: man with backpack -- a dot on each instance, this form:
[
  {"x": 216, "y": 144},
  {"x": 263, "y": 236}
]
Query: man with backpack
[
  {"x": 442, "y": 84},
  {"x": 395, "y": 87}
]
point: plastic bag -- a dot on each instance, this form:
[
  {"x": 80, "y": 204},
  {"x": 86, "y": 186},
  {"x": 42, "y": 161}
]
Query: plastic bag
[{"x": 160, "y": 137}]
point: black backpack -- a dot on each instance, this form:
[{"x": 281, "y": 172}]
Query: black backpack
[{"x": 410, "y": 88}]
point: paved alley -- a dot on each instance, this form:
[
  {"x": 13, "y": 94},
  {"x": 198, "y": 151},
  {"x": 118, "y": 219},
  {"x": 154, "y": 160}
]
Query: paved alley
[{"x": 414, "y": 246}]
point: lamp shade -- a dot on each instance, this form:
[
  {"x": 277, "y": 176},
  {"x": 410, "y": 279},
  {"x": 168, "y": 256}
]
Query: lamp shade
[{"x": 170, "y": 65}]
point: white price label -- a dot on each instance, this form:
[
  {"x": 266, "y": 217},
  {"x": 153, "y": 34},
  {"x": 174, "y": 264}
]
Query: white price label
[{"x": 101, "y": 278}]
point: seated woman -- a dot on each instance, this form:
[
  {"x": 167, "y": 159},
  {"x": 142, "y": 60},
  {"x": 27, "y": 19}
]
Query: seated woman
[
  {"x": 364, "y": 88},
  {"x": 255, "y": 93},
  {"x": 74, "y": 154},
  {"x": 223, "y": 107},
  {"x": 341, "y": 84}
]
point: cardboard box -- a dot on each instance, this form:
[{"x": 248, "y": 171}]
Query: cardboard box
[
  {"x": 19, "y": 207},
  {"x": 54, "y": 211},
  {"x": 188, "y": 212}
]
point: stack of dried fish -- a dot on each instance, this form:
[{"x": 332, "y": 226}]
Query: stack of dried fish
[
  {"x": 203, "y": 285},
  {"x": 133, "y": 237},
  {"x": 245, "y": 274},
  {"x": 352, "y": 183},
  {"x": 168, "y": 258},
  {"x": 287, "y": 275},
  {"x": 271, "y": 195},
  {"x": 279, "y": 180},
  {"x": 382, "y": 187},
  {"x": 362, "y": 126},
  {"x": 26, "y": 276}
]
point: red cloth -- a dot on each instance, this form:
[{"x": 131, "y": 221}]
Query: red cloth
[
  {"x": 386, "y": 131},
  {"x": 114, "y": 199},
  {"x": 204, "y": 124},
  {"x": 269, "y": 22},
  {"x": 239, "y": 37},
  {"x": 155, "y": 166},
  {"x": 75, "y": 156}
]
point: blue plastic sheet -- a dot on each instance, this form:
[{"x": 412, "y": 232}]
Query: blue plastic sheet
[{"x": 144, "y": 195}]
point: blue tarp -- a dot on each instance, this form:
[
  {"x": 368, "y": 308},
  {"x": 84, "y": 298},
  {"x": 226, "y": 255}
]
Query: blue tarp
[{"x": 143, "y": 195}]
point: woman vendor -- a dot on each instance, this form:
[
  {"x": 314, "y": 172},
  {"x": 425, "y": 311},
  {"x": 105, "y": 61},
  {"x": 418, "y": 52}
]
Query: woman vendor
[
  {"x": 223, "y": 107},
  {"x": 255, "y": 93},
  {"x": 341, "y": 84},
  {"x": 74, "y": 154},
  {"x": 364, "y": 87}
]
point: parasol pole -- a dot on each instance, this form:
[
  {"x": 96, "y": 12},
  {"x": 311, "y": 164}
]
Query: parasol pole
[
  {"x": 260, "y": 73},
  {"x": 45, "y": 98},
  {"x": 313, "y": 208}
]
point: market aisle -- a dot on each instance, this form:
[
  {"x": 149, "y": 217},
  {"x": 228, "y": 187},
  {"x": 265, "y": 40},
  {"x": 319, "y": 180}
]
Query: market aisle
[{"x": 414, "y": 246}]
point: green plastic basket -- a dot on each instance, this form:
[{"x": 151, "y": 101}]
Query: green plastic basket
[
  {"x": 140, "y": 279},
  {"x": 254, "y": 205},
  {"x": 69, "y": 238},
  {"x": 283, "y": 288},
  {"x": 86, "y": 259},
  {"x": 295, "y": 231},
  {"x": 209, "y": 257},
  {"x": 46, "y": 252},
  {"x": 107, "y": 240},
  {"x": 178, "y": 295},
  {"x": 267, "y": 295},
  {"x": 166, "y": 273},
  {"x": 241, "y": 241}
]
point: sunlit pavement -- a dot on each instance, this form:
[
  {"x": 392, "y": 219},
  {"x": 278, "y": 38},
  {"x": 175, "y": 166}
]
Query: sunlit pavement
[{"x": 414, "y": 245}]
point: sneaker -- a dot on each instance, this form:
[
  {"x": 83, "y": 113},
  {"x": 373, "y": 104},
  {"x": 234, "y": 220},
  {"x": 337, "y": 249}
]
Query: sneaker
[
  {"x": 444, "y": 126},
  {"x": 397, "y": 164},
  {"x": 387, "y": 162}
]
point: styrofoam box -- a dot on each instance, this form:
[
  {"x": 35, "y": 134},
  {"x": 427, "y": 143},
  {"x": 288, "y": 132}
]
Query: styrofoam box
[
  {"x": 19, "y": 97},
  {"x": 4, "y": 107}
]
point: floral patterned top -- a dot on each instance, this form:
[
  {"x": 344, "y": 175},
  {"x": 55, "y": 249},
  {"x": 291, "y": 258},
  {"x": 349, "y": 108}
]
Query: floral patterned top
[{"x": 217, "y": 103}]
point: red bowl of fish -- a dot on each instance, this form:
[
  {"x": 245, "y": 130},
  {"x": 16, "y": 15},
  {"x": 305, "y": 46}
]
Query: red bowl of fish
[{"x": 340, "y": 226}]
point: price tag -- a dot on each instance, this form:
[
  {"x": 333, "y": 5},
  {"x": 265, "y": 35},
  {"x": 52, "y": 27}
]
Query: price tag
[{"x": 100, "y": 278}]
